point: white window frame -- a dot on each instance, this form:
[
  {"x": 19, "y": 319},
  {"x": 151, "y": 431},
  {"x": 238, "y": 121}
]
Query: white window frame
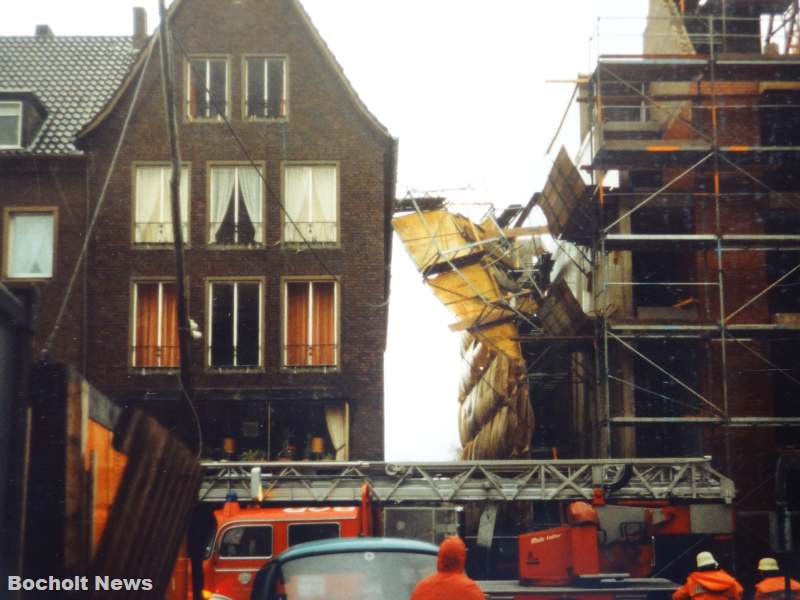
[
  {"x": 13, "y": 103},
  {"x": 285, "y": 334},
  {"x": 134, "y": 312},
  {"x": 207, "y": 88},
  {"x": 234, "y": 321},
  {"x": 165, "y": 208},
  {"x": 210, "y": 239},
  {"x": 337, "y": 202},
  {"x": 8, "y": 244},
  {"x": 246, "y": 526},
  {"x": 264, "y": 58}
]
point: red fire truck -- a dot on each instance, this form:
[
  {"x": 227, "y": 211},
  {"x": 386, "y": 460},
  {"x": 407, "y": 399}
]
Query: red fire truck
[{"x": 626, "y": 509}]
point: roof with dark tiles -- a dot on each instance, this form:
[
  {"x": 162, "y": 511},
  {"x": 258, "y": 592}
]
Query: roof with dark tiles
[{"x": 73, "y": 78}]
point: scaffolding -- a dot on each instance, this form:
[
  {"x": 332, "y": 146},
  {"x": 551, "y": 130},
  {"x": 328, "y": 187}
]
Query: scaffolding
[{"x": 688, "y": 232}]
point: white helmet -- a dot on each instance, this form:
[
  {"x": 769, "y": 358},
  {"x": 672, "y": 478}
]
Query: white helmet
[{"x": 705, "y": 559}]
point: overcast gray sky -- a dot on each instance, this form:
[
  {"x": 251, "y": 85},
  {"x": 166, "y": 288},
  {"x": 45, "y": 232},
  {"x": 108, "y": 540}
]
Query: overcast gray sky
[{"x": 464, "y": 85}]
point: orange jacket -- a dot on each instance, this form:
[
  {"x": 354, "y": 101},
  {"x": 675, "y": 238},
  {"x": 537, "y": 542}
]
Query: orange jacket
[
  {"x": 450, "y": 582},
  {"x": 774, "y": 588},
  {"x": 709, "y": 585}
]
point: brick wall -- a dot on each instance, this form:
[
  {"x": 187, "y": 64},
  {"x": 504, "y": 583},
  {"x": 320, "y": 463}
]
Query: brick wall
[
  {"x": 59, "y": 184},
  {"x": 324, "y": 125}
]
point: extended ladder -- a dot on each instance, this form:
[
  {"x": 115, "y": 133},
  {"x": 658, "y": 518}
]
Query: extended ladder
[{"x": 688, "y": 479}]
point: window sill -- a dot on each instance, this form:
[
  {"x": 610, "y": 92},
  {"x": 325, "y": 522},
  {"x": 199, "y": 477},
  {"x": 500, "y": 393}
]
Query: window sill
[
  {"x": 316, "y": 245},
  {"x": 148, "y": 371},
  {"x": 235, "y": 370},
  {"x": 217, "y": 120},
  {"x": 11, "y": 279},
  {"x": 157, "y": 245},
  {"x": 257, "y": 246},
  {"x": 311, "y": 369},
  {"x": 266, "y": 119}
]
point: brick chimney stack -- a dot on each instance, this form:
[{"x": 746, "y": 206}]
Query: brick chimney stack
[
  {"x": 43, "y": 31},
  {"x": 139, "y": 26}
]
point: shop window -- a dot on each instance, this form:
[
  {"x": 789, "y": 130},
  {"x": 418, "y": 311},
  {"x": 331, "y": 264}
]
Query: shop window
[
  {"x": 235, "y": 324},
  {"x": 311, "y": 201},
  {"x": 309, "y": 532},
  {"x": 252, "y": 541},
  {"x": 155, "y": 325},
  {"x": 153, "y": 208},
  {"x": 10, "y": 124},
  {"x": 294, "y": 429},
  {"x": 266, "y": 88},
  {"x": 30, "y": 236},
  {"x": 236, "y": 210},
  {"x": 310, "y": 328},
  {"x": 207, "y": 85}
]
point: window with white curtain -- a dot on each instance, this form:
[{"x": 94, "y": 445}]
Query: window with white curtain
[
  {"x": 29, "y": 244},
  {"x": 153, "y": 211},
  {"x": 236, "y": 207},
  {"x": 311, "y": 202},
  {"x": 10, "y": 124}
]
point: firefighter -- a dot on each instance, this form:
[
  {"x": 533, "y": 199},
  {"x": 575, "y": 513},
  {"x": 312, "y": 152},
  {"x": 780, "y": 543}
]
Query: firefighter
[
  {"x": 708, "y": 582},
  {"x": 449, "y": 582},
  {"x": 773, "y": 585}
]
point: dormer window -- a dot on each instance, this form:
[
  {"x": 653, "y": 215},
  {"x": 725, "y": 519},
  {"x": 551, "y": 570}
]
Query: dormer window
[
  {"x": 266, "y": 87},
  {"x": 10, "y": 124},
  {"x": 207, "y": 85}
]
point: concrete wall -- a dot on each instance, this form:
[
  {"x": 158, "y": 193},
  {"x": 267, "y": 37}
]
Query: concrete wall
[{"x": 665, "y": 32}]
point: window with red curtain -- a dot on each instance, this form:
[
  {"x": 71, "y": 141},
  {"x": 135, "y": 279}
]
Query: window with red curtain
[
  {"x": 155, "y": 327},
  {"x": 310, "y": 328}
]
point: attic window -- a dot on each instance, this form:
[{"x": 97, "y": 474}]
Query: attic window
[
  {"x": 266, "y": 87},
  {"x": 207, "y": 85},
  {"x": 10, "y": 124}
]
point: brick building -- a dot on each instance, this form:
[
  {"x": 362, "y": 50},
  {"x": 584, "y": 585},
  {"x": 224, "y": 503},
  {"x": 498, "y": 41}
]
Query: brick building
[{"x": 286, "y": 191}]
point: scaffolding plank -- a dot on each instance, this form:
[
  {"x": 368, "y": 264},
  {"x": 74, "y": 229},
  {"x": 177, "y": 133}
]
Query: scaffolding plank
[{"x": 563, "y": 201}]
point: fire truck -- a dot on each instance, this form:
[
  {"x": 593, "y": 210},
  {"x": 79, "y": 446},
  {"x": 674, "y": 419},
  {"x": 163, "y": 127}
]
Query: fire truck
[{"x": 644, "y": 516}]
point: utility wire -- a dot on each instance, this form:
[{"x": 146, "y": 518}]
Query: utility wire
[{"x": 270, "y": 191}]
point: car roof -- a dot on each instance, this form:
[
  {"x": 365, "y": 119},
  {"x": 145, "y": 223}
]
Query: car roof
[{"x": 361, "y": 544}]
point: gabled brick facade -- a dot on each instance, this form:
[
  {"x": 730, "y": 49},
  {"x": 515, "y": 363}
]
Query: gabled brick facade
[{"x": 266, "y": 409}]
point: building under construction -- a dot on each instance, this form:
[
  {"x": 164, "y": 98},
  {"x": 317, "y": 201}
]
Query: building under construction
[{"x": 659, "y": 315}]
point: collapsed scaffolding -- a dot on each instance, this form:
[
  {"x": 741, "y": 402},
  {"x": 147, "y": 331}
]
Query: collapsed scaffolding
[{"x": 677, "y": 124}]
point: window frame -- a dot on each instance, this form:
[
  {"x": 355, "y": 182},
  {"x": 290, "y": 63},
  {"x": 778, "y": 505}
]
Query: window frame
[
  {"x": 132, "y": 331},
  {"x": 18, "y": 104},
  {"x": 337, "y": 335},
  {"x": 225, "y": 531},
  {"x": 311, "y": 524},
  {"x": 284, "y": 222},
  {"x": 188, "y": 118},
  {"x": 8, "y": 214},
  {"x": 135, "y": 202},
  {"x": 245, "y": 82},
  {"x": 261, "y": 167},
  {"x": 209, "y": 288}
]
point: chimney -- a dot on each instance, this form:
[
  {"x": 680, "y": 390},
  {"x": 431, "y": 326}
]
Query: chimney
[
  {"x": 139, "y": 26},
  {"x": 43, "y": 31}
]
